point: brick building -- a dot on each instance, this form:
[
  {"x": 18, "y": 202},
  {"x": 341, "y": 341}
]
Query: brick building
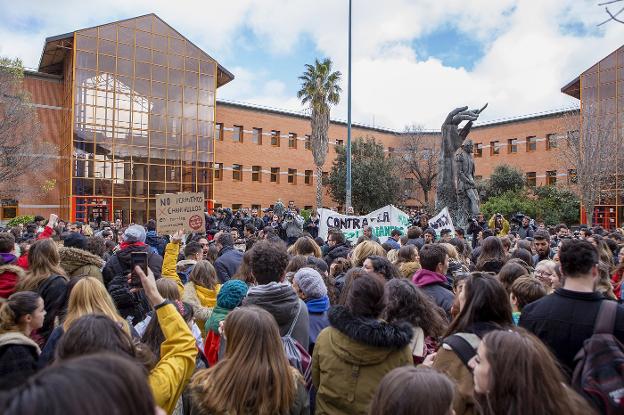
[{"x": 132, "y": 108}]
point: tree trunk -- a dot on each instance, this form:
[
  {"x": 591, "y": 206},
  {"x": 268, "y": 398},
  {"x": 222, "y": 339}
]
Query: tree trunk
[
  {"x": 319, "y": 187},
  {"x": 426, "y": 196}
]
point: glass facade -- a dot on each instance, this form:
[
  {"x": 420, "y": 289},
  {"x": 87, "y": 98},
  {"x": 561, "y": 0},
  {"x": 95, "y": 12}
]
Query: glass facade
[
  {"x": 143, "y": 119},
  {"x": 602, "y": 109}
]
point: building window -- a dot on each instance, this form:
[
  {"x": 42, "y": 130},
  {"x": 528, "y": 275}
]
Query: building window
[
  {"x": 308, "y": 177},
  {"x": 512, "y": 145},
  {"x": 531, "y": 143},
  {"x": 292, "y": 176},
  {"x": 531, "y": 179},
  {"x": 236, "y": 207},
  {"x": 256, "y": 173},
  {"x": 292, "y": 140},
  {"x": 478, "y": 150},
  {"x": 551, "y": 177},
  {"x": 308, "y": 142},
  {"x": 573, "y": 135},
  {"x": 572, "y": 178},
  {"x": 275, "y": 172},
  {"x": 275, "y": 138},
  {"x": 494, "y": 148},
  {"x": 325, "y": 178},
  {"x": 237, "y": 134},
  {"x": 478, "y": 177},
  {"x": 237, "y": 172},
  {"x": 551, "y": 141},
  {"x": 8, "y": 209},
  {"x": 219, "y": 131},
  {"x": 218, "y": 171},
  {"x": 257, "y": 207},
  {"x": 256, "y": 138},
  {"x": 339, "y": 143}
]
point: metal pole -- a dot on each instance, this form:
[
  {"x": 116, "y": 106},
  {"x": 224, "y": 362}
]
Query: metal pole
[{"x": 348, "y": 187}]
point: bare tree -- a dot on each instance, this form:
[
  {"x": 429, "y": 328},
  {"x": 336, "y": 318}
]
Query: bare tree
[
  {"x": 612, "y": 15},
  {"x": 591, "y": 150},
  {"x": 22, "y": 152},
  {"x": 420, "y": 157}
]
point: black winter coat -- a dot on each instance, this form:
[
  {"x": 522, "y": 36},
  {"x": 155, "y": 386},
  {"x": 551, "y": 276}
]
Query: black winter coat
[
  {"x": 53, "y": 291},
  {"x": 335, "y": 252},
  {"x": 115, "y": 275},
  {"x": 18, "y": 359}
]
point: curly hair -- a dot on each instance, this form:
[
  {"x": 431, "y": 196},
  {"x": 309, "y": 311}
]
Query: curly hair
[
  {"x": 268, "y": 261},
  {"x": 405, "y": 301}
]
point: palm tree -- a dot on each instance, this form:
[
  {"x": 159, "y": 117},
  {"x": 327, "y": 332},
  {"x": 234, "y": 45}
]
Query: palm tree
[{"x": 319, "y": 90}]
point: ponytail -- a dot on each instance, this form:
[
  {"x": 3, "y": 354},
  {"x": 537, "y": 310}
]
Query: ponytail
[{"x": 17, "y": 306}]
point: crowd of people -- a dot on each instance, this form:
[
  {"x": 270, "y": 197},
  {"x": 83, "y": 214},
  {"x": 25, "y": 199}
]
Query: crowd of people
[{"x": 261, "y": 315}]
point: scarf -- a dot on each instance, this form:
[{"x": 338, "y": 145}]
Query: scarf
[
  {"x": 318, "y": 305},
  {"x": 279, "y": 299},
  {"x": 125, "y": 245},
  {"x": 218, "y": 315}
]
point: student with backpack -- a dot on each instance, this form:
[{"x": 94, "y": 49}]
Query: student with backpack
[
  {"x": 353, "y": 354},
  {"x": 484, "y": 306},
  {"x": 565, "y": 319},
  {"x": 255, "y": 376},
  {"x": 515, "y": 374}
]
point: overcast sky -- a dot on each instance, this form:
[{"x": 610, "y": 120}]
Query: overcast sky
[{"x": 413, "y": 60}]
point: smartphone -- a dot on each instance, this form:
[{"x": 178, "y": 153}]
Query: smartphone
[{"x": 140, "y": 259}]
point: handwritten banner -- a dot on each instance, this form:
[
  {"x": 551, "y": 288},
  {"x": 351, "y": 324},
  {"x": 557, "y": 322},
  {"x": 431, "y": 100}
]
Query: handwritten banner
[
  {"x": 383, "y": 221},
  {"x": 442, "y": 221},
  {"x": 180, "y": 211}
]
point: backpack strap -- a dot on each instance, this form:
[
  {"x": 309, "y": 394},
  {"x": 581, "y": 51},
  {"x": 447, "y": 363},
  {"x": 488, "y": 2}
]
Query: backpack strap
[
  {"x": 462, "y": 348},
  {"x": 292, "y": 325},
  {"x": 605, "y": 321}
]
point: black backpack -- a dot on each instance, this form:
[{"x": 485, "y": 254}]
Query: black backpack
[{"x": 599, "y": 370}]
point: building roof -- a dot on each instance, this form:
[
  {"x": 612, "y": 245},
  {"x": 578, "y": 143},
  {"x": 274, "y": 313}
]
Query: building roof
[
  {"x": 56, "y": 47},
  {"x": 573, "y": 88}
]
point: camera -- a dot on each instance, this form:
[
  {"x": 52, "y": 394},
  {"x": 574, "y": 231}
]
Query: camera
[{"x": 517, "y": 218}]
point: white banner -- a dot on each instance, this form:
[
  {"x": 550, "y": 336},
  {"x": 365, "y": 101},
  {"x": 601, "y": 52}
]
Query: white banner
[
  {"x": 442, "y": 221},
  {"x": 383, "y": 221}
]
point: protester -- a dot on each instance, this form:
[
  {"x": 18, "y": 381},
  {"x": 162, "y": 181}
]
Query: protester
[
  {"x": 357, "y": 343},
  {"x": 46, "y": 277},
  {"x": 499, "y": 224},
  {"x": 545, "y": 272},
  {"x": 76, "y": 260},
  {"x": 381, "y": 266},
  {"x": 408, "y": 261},
  {"x": 413, "y": 391},
  {"x": 364, "y": 250},
  {"x": 432, "y": 277},
  {"x": 305, "y": 246},
  {"x": 524, "y": 379},
  {"x": 229, "y": 259},
  {"x": 509, "y": 273},
  {"x": 93, "y": 382},
  {"x": 254, "y": 376},
  {"x": 616, "y": 278},
  {"x": 10, "y": 272},
  {"x": 268, "y": 263},
  {"x": 565, "y": 319},
  {"x": 337, "y": 245},
  {"x": 541, "y": 242},
  {"x": 484, "y": 306},
  {"x": 309, "y": 286},
  {"x": 523, "y": 291},
  {"x": 20, "y": 315},
  {"x": 87, "y": 296},
  {"x": 492, "y": 255},
  {"x": 230, "y": 296},
  {"x": 406, "y": 302}
]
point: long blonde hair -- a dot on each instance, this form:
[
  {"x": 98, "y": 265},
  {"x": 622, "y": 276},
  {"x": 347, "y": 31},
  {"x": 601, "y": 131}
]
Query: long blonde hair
[
  {"x": 88, "y": 296},
  {"x": 254, "y": 376},
  {"x": 43, "y": 262},
  {"x": 365, "y": 249}
]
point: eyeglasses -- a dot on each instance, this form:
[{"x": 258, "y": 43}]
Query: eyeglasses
[{"x": 204, "y": 244}]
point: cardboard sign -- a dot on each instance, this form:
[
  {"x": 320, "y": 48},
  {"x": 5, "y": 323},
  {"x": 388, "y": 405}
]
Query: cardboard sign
[
  {"x": 383, "y": 221},
  {"x": 442, "y": 221},
  {"x": 180, "y": 211}
]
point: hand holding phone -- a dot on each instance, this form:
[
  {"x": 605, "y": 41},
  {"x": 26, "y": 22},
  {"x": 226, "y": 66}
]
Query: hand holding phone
[{"x": 138, "y": 259}]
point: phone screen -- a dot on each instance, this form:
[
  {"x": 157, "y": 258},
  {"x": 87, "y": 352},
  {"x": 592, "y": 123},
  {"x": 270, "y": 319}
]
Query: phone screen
[{"x": 140, "y": 259}]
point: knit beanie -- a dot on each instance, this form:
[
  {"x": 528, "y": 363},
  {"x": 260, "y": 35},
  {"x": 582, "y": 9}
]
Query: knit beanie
[
  {"x": 134, "y": 233},
  {"x": 231, "y": 294},
  {"x": 311, "y": 283}
]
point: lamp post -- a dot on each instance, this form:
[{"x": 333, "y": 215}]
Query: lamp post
[{"x": 348, "y": 185}]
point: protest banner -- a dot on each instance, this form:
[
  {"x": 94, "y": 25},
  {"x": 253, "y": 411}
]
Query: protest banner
[
  {"x": 442, "y": 221},
  {"x": 180, "y": 211},
  {"x": 383, "y": 221}
]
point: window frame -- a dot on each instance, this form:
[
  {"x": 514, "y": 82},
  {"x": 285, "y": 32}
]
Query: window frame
[
  {"x": 256, "y": 137},
  {"x": 494, "y": 148},
  {"x": 219, "y": 131},
  {"x": 551, "y": 177},
  {"x": 478, "y": 150},
  {"x": 292, "y": 141},
  {"x": 308, "y": 177},
  {"x": 275, "y": 171},
  {"x": 531, "y": 181},
  {"x": 237, "y": 168},
  {"x": 531, "y": 141},
  {"x": 512, "y": 146},
  {"x": 275, "y": 135},
  {"x": 257, "y": 172},
  {"x": 549, "y": 145},
  {"x": 239, "y": 138},
  {"x": 292, "y": 176}
]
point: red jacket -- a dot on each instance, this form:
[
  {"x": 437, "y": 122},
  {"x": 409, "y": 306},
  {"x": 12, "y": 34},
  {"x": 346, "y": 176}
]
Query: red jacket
[
  {"x": 45, "y": 234},
  {"x": 10, "y": 274}
]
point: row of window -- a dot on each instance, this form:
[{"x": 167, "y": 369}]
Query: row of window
[
  {"x": 256, "y": 174},
  {"x": 257, "y": 137},
  {"x": 551, "y": 177},
  {"x": 512, "y": 144}
]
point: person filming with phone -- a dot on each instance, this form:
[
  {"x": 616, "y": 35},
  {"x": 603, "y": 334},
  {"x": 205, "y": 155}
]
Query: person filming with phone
[{"x": 133, "y": 251}]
